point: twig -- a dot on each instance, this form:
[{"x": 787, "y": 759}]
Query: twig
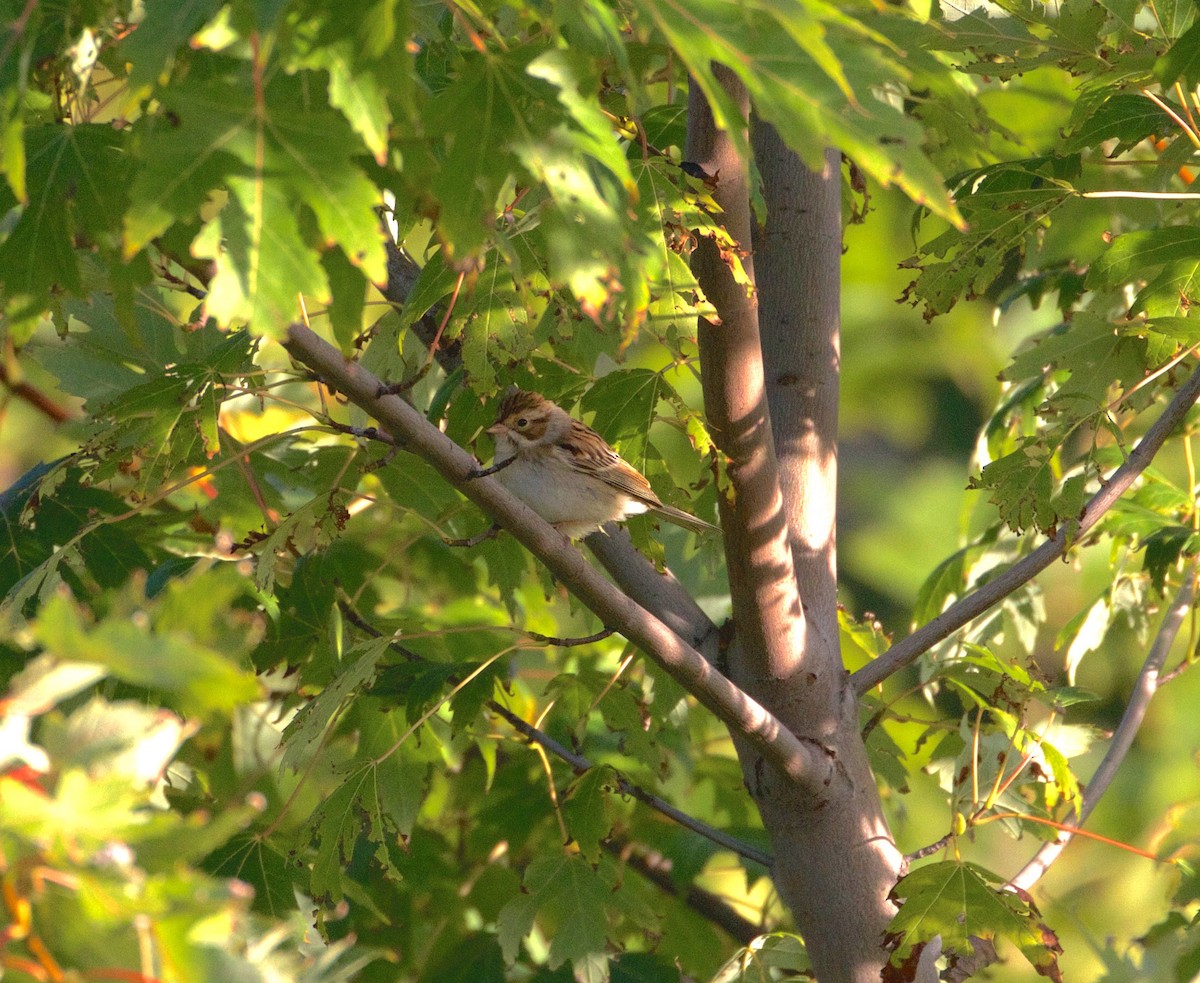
[
  {"x": 1147, "y": 195},
  {"x": 491, "y": 532},
  {"x": 491, "y": 470},
  {"x": 35, "y": 398},
  {"x": 930, "y": 850},
  {"x": 712, "y": 907},
  {"x": 569, "y": 642},
  {"x": 366, "y": 433},
  {"x": 974, "y": 604},
  {"x": 579, "y": 764},
  {"x": 1122, "y": 740},
  {"x": 806, "y": 762}
]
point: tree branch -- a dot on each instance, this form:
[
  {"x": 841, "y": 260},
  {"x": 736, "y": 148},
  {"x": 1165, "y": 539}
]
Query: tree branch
[
  {"x": 580, "y": 764},
  {"x": 1122, "y": 740},
  {"x": 974, "y": 604},
  {"x": 706, "y": 904},
  {"x": 34, "y": 397},
  {"x": 658, "y": 592},
  {"x": 805, "y": 762}
]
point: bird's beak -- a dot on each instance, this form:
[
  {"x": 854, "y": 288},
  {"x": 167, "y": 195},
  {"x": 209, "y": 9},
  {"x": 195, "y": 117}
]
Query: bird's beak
[{"x": 496, "y": 429}]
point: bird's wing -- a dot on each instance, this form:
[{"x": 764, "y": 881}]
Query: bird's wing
[{"x": 593, "y": 456}]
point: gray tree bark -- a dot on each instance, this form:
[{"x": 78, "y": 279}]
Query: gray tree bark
[{"x": 770, "y": 372}]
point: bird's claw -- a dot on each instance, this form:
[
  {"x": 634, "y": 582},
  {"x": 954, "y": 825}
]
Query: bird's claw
[{"x": 480, "y": 472}]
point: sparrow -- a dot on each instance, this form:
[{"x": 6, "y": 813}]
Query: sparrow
[{"x": 566, "y": 473}]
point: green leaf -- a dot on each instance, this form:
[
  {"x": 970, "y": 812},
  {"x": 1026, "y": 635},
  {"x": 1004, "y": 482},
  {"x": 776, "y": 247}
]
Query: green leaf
[
  {"x": 83, "y": 811},
  {"x": 572, "y": 896},
  {"x": 1126, "y": 117},
  {"x": 252, "y": 859},
  {"x": 498, "y": 329},
  {"x": 1182, "y": 60},
  {"x": 587, "y": 811},
  {"x": 308, "y": 726},
  {"x": 832, "y": 64},
  {"x": 476, "y": 958},
  {"x": 164, "y": 27},
  {"x": 957, "y": 901},
  {"x": 477, "y": 117},
  {"x": 946, "y": 581},
  {"x": 768, "y": 954},
  {"x": 864, "y": 638},
  {"x": 348, "y": 285},
  {"x": 1096, "y": 355},
  {"x": 1008, "y": 206},
  {"x": 1164, "y": 547},
  {"x": 625, "y": 402},
  {"x": 1022, "y": 484},
  {"x": 45, "y": 681},
  {"x": 280, "y": 161},
  {"x": 121, "y": 738},
  {"x": 1133, "y": 255},
  {"x": 77, "y": 183},
  {"x": 203, "y": 680},
  {"x": 387, "y": 789}
]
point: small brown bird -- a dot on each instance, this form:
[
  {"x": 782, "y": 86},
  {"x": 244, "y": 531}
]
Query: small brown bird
[{"x": 566, "y": 473}]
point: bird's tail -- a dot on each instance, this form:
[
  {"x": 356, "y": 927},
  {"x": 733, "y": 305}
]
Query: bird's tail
[{"x": 681, "y": 518}]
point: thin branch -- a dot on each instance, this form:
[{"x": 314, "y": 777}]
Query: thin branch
[
  {"x": 1122, "y": 740},
  {"x": 364, "y": 433},
  {"x": 467, "y": 542},
  {"x": 706, "y": 904},
  {"x": 930, "y": 850},
  {"x": 565, "y": 643},
  {"x": 1148, "y": 195},
  {"x": 35, "y": 398},
  {"x": 403, "y": 274},
  {"x": 974, "y": 604},
  {"x": 806, "y": 762},
  {"x": 580, "y": 764}
]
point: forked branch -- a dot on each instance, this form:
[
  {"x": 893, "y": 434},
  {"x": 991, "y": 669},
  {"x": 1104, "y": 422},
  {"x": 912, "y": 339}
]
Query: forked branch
[{"x": 805, "y": 762}]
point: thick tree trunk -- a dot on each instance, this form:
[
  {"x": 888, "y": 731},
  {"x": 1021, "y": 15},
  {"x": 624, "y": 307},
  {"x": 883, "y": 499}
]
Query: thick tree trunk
[{"x": 770, "y": 372}]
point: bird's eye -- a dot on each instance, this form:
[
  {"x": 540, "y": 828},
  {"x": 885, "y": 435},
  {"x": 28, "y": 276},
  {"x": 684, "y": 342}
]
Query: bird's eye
[{"x": 522, "y": 423}]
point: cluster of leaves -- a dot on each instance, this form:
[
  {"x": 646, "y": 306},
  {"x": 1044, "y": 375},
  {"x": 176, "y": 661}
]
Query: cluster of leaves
[
  {"x": 1065, "y": 222},
  {"x": 105, "y": 828},
  {"x": 311, "y": 762},
  {"x": 1057, "y": 220}
]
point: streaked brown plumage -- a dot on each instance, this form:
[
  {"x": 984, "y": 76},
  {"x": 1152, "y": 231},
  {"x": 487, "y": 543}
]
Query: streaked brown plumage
[{"x": 565, "y": 471}]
